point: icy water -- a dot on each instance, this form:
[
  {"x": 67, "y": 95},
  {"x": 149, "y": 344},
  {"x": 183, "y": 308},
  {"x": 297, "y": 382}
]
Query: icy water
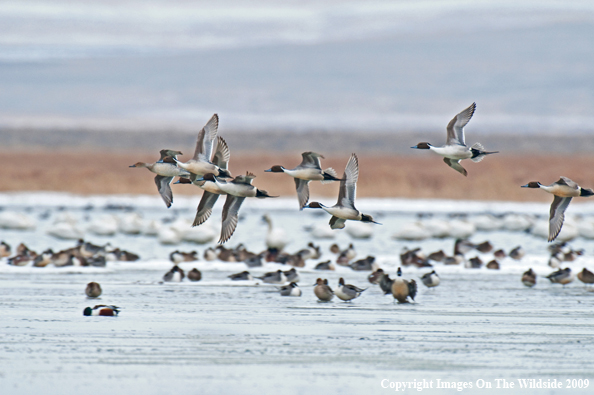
[{"x": 216, "y": 336}]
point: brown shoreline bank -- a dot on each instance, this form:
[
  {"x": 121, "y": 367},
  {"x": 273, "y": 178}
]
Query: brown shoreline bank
[{"x": 419, "y": 175}]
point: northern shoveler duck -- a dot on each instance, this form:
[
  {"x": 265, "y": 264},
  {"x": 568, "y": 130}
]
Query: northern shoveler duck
[
  {"x": 564, "y": 190},
  {"x": 403, "y": 289},
  {"x": 166, "y": 169},
  {"x": 529, "y": 278},
  {"x": 456, "y": 149},
  {"x": 310, "y": 169},
  {"x": 344, "y": 209},
  {"x": 93, "y": 290},
  {"x": 102, "y": 310},
  {"x": 290, "y": 290},
  {"x": 323, "y": 291}
]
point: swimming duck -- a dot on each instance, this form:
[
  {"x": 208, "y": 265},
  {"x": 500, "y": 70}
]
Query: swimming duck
[
  {"x": 277, "y": 277},
  {"x": 403, "y": 289},
  {"x": 102, "y": 310},
  {"x": 93, "y": 290},
  {"x": 237, "y": 190},
  {"x": 344, "y": 209},
  {"x": 364, "y": 264},
  {"x": 499, "y": 254},
  {"x": 484, "y": 247},
  {"x": 310, "y": 169},
  {"x": 243, "y": 276},
  {"x": 276, "y": 238},
  {"x": 323, "y": 291},
  {"x": 430, "y": 279},
  {"x": 529, "y": 278},
  {"x": 561, "y": 276},
  {"x": 174, "y": 275},
  {"x": 179, "y": 256},
  {"x": 326, "y": 265},
  {"x": 347, "y": 292},
  {"x": 166, "y": 169},
  {"x": 204, "y": 156},
  {"x": 194, "y": 275},
  {"x": 474, "y": 263},
  {"x": 210, "y": 254},
  {"x": 517, "y": 253},
  {"x": 335, "y": 249},
  {"x": 292, "y": 275},
  {"x": 4, "y": 249},
  {"x": 586, "y": 276},
  {"x": 493, "y": 265},
  {"x": 456, "y": 149},
  {"x": 290, "y": 290},
  {"x": 564, "y": 190}
]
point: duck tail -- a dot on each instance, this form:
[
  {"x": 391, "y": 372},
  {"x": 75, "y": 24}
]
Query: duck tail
[
  {"x": 586, "y": 192},
  {"x": 478, "y": 152},
  {"x": 260, "y": 193},
  {"x": 330, "y": 175}
]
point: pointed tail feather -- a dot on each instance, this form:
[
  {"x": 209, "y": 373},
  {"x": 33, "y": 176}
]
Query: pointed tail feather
[{"x": 330, "y": 175}]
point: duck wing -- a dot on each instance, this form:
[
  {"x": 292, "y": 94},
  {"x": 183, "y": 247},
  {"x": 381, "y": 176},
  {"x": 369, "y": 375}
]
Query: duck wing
[
  {"x": 206, "y": 138},
  {"x": 205, "y": 207},
  {"x": 557, "y": 216},
  {"x": 222, "y": 154},
  {"x": 302, "y": 191},
  {"x": 568, "y": 182},
  {"x": 247, "y": 179},
  {"x": 455, "y": 164},
  {"x": 311, "y": 160},
  {"x": 412, "y": 289},
  {"x": 165, "y": 189},
  {"x": 348, "y": 184},
  {"x": 337, "y": 223},
  {"x": 230, "y": 217},
  {"x": 456, "y": 126},
  {"x": 168, "y": 152}
]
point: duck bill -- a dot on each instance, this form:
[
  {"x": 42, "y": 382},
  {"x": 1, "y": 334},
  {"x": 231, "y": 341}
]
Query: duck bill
[
  {"x": 415, "y": 147},
  {"x": 268, "y": 171},
  {"x": 524, "y": 186}
]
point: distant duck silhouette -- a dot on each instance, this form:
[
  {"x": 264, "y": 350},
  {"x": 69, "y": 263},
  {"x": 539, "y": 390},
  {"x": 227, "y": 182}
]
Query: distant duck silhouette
[
  {"x": 194, "y": 275},
  {"x": 290, "y": 290},
  {"x": 431, "y": 279},
  {"x": 93, "y": 290},
  {"x": 403, "y": 289},
  {"x": 174, "y": 275},
  {"x": 529, "y": 278},
  {"x": 102, "y": 310}
]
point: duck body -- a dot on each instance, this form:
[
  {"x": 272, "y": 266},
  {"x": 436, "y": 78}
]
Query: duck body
[
  {"x": 277, "y": 277},
  {"x": 586, "y": 276},
  {"x": 194, "y": 275},
  {"x": 323, "y": 291},
  {"x": 430, "y": 280},
  {"x": 561, "y": 276},
  {"x": 403, "y": 289},
  {"x": 243, "y": 276},
  {"x": 290, "y": 290},
  {"x": 174, "y": 275},
  {"x": 529, "y": 278},
  {"x": 102, "y": 310},
  {"x": 93, "y": 290},
  {"x": 347, "y": 292}
]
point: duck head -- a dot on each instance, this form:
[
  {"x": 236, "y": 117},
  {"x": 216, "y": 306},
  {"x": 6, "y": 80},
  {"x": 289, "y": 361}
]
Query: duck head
[
  {"x": 182, "y": 180},
  {"x": 341, "y": 282},
  {"x": 423, "y": 145},
  {"x": 532, "y": 184},
  {"x": 313, "y": 205},
  {"x": 399, "y": 272},
  {"x": 139, "y": 164},
  {"x": 275, "y": 169},
  {"x": 319, "y": 281},
  {"x": 207, "y": 177}
]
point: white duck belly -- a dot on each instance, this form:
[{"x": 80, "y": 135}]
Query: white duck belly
[
  {"x": 241, "y": 190},
  {"x": 310, "y": 174},
  {"x": 343, "y": 212},
  {"x": 453, "y": 151},
  {"x": 212, "y": 187},
  {"x": 561, "y": 190}
]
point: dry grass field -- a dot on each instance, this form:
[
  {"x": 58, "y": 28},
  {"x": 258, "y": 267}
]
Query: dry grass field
[{"x": 420, "y": 175}]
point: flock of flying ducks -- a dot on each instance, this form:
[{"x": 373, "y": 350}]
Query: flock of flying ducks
[{"x": 209, "y": 170}]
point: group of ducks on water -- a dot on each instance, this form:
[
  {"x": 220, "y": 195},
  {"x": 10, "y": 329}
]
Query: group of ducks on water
[
  {"x": 83, "y": 253},
  {"x": 208, "y": 169}
]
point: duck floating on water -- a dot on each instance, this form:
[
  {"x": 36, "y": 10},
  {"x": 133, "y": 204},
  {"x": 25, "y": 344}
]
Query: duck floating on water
[
  {"x": 290, "y": 290},
  {"x": 323, "y": 291},
  {"x": 561, "y": 276},
  {"x": 347, "y": 292},
  {"x": 529, "y": 278},
  {"x": 344, "y": 209},
  {"x": 564, "y": 190},
  {"x": 93, "y": 290},
  {"x": 456, "y": 149},
  {"x": 403, "y": 289},
  {"x": 310, "y": 169},
  {"x": 431, "y": 279},
  {"x": 102, "y": 310}
]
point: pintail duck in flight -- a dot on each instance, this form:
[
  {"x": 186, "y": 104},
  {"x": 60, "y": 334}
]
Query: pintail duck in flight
[
  {"x": 237, "y": 190},
  {"x": 456, "y": 149},
  {"x": 211, "y": 190},
  {"x": 204, "y": 156},
  {"x": 344, "y": 209},
  {"x": 564, "y": 190},
  {"x": 166, "y": 169},
  {"x": 310, "y": 169}
]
